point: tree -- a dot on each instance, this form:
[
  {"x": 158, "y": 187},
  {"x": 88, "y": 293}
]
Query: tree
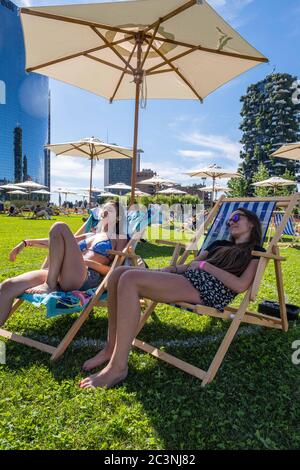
[
  {"x": 238, "y": 187},
  {"x": 261, "y": 175}
]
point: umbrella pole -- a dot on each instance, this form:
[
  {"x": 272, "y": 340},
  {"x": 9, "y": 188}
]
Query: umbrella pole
[
  {"x": 138, "y": 79},
  {"x": 213, "y": 192},
  {"x": 91, "y": 181}
]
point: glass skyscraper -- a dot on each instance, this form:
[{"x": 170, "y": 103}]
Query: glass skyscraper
[{"x": 24, "y": 107}]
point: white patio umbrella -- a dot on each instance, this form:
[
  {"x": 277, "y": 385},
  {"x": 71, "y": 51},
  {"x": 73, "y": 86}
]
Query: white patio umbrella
[
  {"x": 275, "y": 183},
  {"x": 92, "y": 149},
  {"x": 41, "y": 191},
  {"x": 31, "y": 185},
  {"x": 171, "y": 191},
  {"x": 288, "y": 151},
  {"x": 10, "y": 186},
  {"x": 119, "y": 187},
  {"x": 215, "y": 172},
  {"x": 107, "y": 194},
  {"x": 64, "y": 191},
  {"x": 138, "y": 193},
  {"x": 171, "y": 49},
  {"x": 17, "y": 191}
]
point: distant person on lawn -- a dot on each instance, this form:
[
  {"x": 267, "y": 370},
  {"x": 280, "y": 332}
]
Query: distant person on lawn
[{"x": 74, "y": 263}]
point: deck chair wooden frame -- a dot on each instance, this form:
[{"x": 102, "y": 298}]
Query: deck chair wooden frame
[
  {"x": 56, "y": 352},
  {"x": 235, "y": 315}
]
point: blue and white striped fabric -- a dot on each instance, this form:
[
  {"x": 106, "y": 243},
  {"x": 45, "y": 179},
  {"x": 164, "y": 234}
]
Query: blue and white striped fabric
[
  {"x": 219, "y": 229},
  {"x": 289, "y": 228}
]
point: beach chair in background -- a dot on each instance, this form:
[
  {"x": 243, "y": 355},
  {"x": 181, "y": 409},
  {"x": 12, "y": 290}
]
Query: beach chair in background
[
  {"x": 83, "y": 303},
  {"x": 216, "y": 223},
  {"x": 289, "y": 230}
]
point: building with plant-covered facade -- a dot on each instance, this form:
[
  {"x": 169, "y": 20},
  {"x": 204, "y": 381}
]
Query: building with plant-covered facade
[{"x": 270, "y": 118}]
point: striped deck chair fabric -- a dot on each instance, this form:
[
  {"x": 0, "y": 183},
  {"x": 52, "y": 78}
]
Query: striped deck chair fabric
[
  {"x": 219, "y": 229},
  {"x": 289, "y": 228}
]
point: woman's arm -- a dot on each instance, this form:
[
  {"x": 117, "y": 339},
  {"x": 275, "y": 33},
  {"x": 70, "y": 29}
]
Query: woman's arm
[
  {"x": 100, "y": 268},
  {"x": 235, "y": 283}
]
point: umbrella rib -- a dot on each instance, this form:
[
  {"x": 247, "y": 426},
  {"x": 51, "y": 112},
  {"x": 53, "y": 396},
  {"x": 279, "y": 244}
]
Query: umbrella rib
[
  {"x": 177, "y": 72},
  {"x": 150, "y": 43},
  {"x": 77, "y": 54},
  {"x": 107, "y": 63},
  {"x": 173, "y": 13},
  {"x": 67, "y": 19},
  {"x": 112, "y": 48},
  {"x": 212, "y": 51},
  {"x": 109, "y": 149},
  {"x": 122, "y": 75},
  {"x": 172, "y": 59}
]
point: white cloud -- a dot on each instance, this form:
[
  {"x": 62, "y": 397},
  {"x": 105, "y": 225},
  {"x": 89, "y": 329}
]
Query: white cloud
[
  {"x": 220, "y": 146},
  {"x": 195, "y": 154},
  {"x": 74, "y": 172}
]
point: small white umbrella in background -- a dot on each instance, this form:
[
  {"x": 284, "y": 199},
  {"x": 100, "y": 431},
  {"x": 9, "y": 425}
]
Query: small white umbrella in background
[
  {"x": 170, "y": 49},
  {"x": 108, "y": 194},
  {"x": 138, "y": 193},
  {"x": 10, "y": 186},
  {"x": 64, "y": 191},
  {"x": 31, "y": 185},
  {"x": 214, "y": 172},
  {"x": 288, "y": 151},
  {"x": 18, "y": 191},
  {"x": 157, "y": 182},
  {"x": 42, "y": 191},
  {"x": 93, "y": 149},
  {"x": 275, "y": 183},
  {"x": 171, "y": 191},
  {"x": 216, "y": 189},
  {"x": 119, "y": 187}
]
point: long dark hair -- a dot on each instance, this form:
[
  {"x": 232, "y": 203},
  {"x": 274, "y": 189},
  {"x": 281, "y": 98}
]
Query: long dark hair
[{"x": 235, "y": 259}]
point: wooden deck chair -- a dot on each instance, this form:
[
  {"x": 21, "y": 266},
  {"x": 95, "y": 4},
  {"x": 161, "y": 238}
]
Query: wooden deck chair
[
  {"x": 289, "y": 229},
  {"x": 137, "y": 223},
  {"x": 263, "y": 207}
]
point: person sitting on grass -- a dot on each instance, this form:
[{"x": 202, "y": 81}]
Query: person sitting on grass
[
  {"x": 223, "y": 270},
  {"x": 74, "y": 262}
]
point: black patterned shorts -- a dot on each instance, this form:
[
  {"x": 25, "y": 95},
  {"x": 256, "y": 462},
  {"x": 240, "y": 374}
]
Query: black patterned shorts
[{"x": 212, "y": 291}]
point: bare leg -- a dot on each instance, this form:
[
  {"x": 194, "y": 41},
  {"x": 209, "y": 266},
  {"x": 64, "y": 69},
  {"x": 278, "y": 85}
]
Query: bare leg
[
  {"x": 12, "y": 288},
  {"x": 66, "y": 263},
  {"x": 112, "y": 288},
  {"x": 133, "y": 284}
]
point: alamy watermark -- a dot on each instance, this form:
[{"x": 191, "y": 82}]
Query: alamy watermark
[
  {"x": 296, "y": 94},
  {"x": 296, "y": 355}
]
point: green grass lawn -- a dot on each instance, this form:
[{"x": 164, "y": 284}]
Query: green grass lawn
[{"x": 254, "y": 402}]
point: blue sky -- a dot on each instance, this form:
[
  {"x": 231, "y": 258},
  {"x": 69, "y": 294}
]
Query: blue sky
[{"x": 178, "y": 136}]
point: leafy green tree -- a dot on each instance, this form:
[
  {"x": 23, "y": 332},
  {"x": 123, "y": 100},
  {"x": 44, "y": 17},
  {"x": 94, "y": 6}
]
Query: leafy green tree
[
  {"x": 261, "y": 175},
  {"x": 238, "y": 187}
]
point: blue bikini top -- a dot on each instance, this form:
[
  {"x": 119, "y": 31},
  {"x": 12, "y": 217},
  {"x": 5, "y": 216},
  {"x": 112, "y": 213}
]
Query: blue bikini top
[{"x": 100, "y": 248}]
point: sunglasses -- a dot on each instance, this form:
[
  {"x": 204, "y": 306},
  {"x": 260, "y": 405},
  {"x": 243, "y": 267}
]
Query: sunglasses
[{"x": 234, "y": 219}]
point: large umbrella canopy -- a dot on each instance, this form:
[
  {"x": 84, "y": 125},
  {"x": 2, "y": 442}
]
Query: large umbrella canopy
[
  {"x": 31, "y": 185},
  {"x": 171, "y": 49},
  {"x": 289, "y": 151},
  {"x": 171, "y": 191},
  {"x": 92, "y": 149},
  {"x": 93, "y": 189}
]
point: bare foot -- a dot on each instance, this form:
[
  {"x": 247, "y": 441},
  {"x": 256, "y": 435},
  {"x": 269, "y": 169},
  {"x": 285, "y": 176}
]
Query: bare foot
[
  {"x": 97, "y": 361},
  {"x": 41, "y": 289},
  {"x": 107, "y": 378}
]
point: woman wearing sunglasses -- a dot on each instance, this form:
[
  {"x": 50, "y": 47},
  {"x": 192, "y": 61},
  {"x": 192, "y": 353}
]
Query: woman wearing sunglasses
[
  {"x": 223, "y": 270},
  {"x": 74, "y": 262}
]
